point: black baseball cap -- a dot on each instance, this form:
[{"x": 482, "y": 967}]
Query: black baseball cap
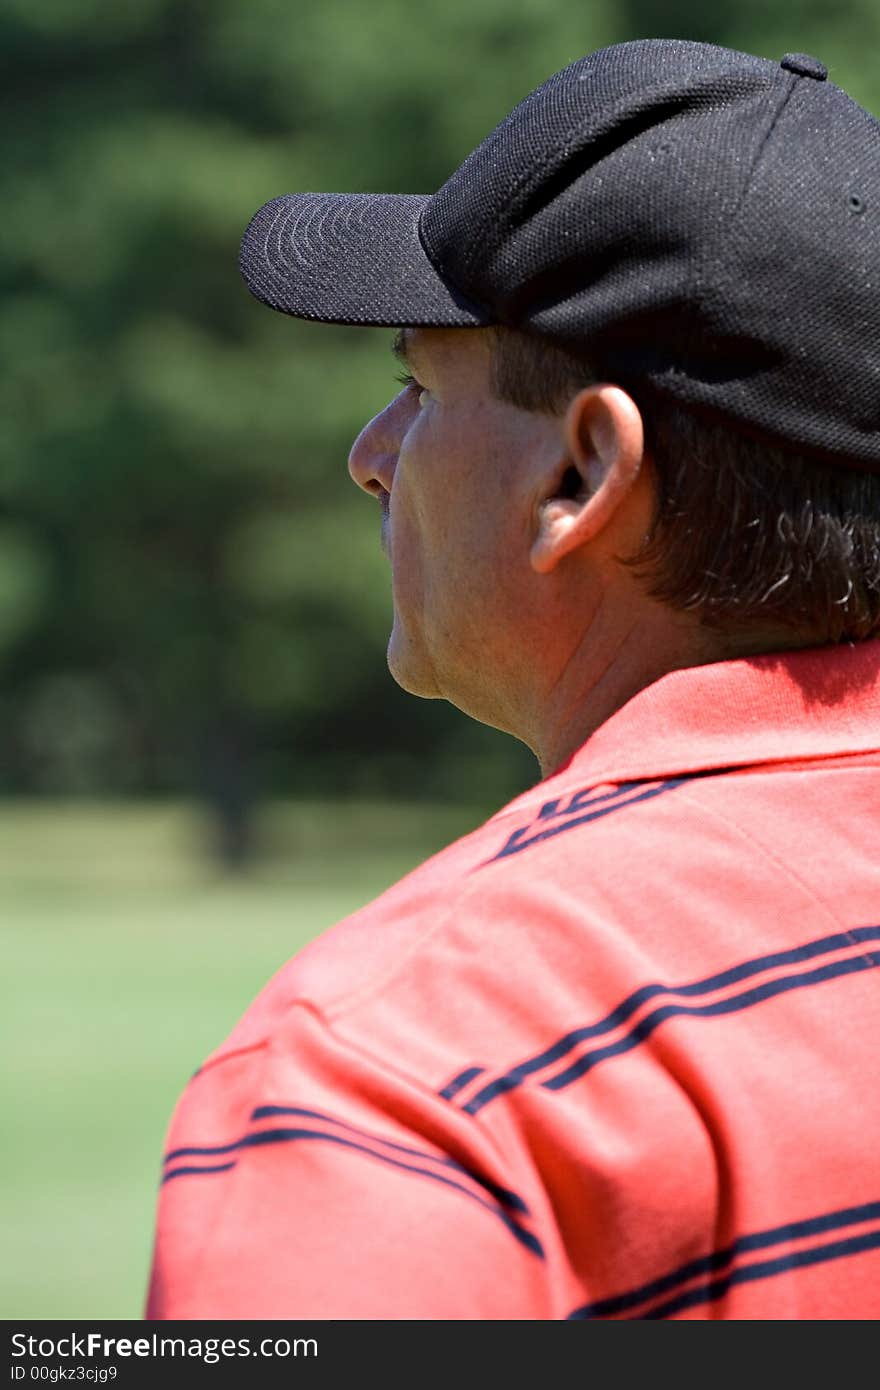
[{"x": 700, "y": 223}]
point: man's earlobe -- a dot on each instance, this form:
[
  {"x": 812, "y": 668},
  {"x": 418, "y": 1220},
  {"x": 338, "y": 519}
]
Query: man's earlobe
[{"x": 604, "y": 439}]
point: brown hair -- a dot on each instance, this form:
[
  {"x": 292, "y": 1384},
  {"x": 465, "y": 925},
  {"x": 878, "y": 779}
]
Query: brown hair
[{"x": 745, "y": 534}]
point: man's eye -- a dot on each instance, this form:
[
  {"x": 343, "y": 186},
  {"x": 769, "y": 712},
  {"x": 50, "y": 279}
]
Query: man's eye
[{"x": 408, "y": 380}]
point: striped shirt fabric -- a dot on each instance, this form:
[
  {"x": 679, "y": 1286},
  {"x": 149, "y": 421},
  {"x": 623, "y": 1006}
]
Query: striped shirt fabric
[{"x": 609, "y": 1056}]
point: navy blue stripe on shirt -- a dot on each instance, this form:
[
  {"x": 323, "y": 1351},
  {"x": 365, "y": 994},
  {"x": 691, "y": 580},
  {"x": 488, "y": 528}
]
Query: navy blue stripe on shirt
[
  {"x": 719, "y": 1259},
  {"x": 208, "y": 1168},
  {"x": 501, "y": 1194},
  {"x": 500, "y": 1201},
  {"x": 799, "y": 1259},
  {"x": 262, "y": 1112},
  {"x": 616, "y": 801},
  {"x": 459, "y": 1082},
  {"x": 267, "y": 1137},
  {"x": 513, "y": 1078},
  {"x": 852, "y": 965}
]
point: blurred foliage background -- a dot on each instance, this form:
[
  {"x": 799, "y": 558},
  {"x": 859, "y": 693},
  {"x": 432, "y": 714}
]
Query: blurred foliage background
[{"x": 193, "y": 603}]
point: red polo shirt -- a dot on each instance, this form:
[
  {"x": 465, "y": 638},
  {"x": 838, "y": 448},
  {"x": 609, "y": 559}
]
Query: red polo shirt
[{"x": 612, "y": 1055}]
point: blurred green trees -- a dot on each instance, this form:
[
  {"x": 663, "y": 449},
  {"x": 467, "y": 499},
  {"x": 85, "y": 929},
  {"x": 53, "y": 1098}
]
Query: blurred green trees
[{"x": 192, "y": 594}]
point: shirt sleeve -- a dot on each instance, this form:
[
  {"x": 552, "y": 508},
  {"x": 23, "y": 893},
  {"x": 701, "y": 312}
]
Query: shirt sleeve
[{"x": 306, "y": 1178}]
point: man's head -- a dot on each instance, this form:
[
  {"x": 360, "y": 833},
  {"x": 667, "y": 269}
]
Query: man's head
[
  {"x": 503, "y": 524},
  {"x": 644, "y": 318}
]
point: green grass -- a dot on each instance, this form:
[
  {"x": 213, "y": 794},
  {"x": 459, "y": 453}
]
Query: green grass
[{"x": 127, "y": 958}]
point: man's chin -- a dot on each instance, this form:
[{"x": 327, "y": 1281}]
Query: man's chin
[{"x": 409, "y": 669}]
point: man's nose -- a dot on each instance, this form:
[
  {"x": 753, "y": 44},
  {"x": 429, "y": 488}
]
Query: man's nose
[{"x": 373, "y": 456}]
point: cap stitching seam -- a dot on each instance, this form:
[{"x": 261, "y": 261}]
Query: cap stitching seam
[
  {"x": 663, "y": 109},
  {"x": 715, "y": 255}
]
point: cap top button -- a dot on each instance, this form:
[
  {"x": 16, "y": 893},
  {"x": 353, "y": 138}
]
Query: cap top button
[{"x": 804, "y": 65}]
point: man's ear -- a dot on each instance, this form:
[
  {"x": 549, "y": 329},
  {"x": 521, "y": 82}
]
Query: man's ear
[{"x": 604, "y": 443}]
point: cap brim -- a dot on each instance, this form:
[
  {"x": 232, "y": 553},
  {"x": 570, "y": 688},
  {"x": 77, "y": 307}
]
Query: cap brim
[{"x": 350, "y": 258}]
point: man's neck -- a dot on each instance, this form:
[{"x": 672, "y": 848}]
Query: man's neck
[{"x": 608, "y": 667}]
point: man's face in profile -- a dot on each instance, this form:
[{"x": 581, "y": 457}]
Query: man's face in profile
[{"x": 453, "y": 468}]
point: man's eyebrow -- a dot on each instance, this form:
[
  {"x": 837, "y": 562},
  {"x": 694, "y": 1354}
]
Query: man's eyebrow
[
  {"x": 400, "y": 347},
  {"x": 406, "y": 346}
]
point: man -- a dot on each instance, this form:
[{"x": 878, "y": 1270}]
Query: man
[{"x": 611, "y": 1054}]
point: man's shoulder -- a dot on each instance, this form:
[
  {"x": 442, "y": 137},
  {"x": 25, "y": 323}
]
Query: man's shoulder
[
  {"x": 527, "y": 905},
  {"x": 700, "y": 817}
]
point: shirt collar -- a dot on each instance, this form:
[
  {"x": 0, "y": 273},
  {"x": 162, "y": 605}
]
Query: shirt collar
[{"x": 780, "y": 706}]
